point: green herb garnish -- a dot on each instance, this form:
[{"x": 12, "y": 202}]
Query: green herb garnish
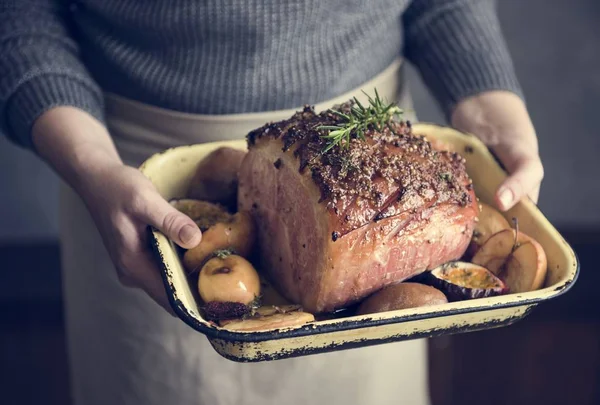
[
  {"x": 357, "y": 121},
  {"x": 223, "y": 253}
]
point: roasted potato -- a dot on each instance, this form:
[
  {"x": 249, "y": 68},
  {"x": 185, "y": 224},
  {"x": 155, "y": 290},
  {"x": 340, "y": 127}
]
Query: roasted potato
[
  {"x": 401, "y": 296},
  {"x": 237, "y": 234},
  {"x": 216, "y": 177}
]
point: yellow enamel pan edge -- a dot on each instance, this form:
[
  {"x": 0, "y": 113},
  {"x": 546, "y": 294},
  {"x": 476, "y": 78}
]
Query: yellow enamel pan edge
[{"x": 171, "y": 171}]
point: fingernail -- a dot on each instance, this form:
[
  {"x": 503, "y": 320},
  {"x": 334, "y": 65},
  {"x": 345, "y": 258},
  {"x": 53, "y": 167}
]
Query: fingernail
[
  {"x": 506, "y": 197},
  {"x": 187, "y": 233}
]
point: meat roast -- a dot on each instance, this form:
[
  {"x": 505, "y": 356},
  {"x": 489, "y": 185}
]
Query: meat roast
[{"x": 335, "y": 225}]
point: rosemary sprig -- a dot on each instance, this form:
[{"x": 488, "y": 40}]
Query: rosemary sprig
[{"x": 358, "y": 120}]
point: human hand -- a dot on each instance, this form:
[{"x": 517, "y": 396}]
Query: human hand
[
  {"x": 123, "y": 203},
  {"x": 500, "y": 119},
  {"x": 120, "y": 199}
]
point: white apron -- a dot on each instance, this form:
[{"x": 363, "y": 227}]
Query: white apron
[{"x": 125, "y": 349}]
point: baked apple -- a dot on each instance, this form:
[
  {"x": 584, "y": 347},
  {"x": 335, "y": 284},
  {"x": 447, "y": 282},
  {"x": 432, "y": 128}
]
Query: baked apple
[
  {"x": 516, "y": 258},
  {"x": 489, "y": 222},
  {"x": 227, "y": 277},
  {"x": 236, "y": 234}
]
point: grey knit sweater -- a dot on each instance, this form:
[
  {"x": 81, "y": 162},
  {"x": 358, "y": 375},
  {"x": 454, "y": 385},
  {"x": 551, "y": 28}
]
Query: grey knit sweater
[{"x": 230, "y": 56}]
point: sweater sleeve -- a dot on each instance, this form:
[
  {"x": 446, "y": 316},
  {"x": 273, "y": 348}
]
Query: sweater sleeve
[
  {"x": 40, "y": 67},
  {"x": 458, "y": 48}
]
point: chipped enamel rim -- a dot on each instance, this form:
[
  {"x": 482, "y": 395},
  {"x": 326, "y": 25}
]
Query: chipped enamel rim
[{"x": 531, "y": 218}]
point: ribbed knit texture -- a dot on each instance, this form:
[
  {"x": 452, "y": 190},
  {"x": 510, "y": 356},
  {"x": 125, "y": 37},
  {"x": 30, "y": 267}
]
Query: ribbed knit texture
[{"x": 226, "y": 56}]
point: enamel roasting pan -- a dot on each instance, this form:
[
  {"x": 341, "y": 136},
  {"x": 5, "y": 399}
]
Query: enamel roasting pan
[{"x": 172, "y": 170}]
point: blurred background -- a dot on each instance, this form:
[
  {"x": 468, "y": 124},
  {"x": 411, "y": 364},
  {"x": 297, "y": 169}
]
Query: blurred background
[{"x": 551, "y": 357}]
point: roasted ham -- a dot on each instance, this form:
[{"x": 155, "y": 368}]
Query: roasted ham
[{"x": 334, "y": 227}]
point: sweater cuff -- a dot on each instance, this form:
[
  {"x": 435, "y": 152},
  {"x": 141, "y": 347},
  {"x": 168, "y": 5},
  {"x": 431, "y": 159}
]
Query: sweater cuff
[
  {"x": 453, "y": 80},
  {"x": 39, "y": 94},
  {"x": 460, "y": 52}
]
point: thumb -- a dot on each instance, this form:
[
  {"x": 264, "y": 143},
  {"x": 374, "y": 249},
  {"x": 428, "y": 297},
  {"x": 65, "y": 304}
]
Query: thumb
[
  {"x": 525, "y": 176},
  {"x": 177, "y": 226}
]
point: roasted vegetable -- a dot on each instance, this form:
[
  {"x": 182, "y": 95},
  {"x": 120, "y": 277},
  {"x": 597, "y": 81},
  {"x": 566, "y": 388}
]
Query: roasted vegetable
[
  {"x": 401, "y": 296},
  {"x": 236, "y": 234},
  {"x": 463, "y": 281},
  {"x": 227, "y": 277},
  {"x": 516, "y": 258}
]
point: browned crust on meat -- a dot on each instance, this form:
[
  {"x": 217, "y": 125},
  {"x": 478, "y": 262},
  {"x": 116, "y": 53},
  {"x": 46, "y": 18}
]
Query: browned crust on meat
[{"x": 389, "y": 172}]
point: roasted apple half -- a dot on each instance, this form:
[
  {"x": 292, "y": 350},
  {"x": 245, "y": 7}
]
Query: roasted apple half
[
  {"x": 489, "y": 222},
  {"x": 236, "y": 233},
  {"x": 269, "y": 317},
  {"x": 516, "y": 258},
  {"x": 464, "y": 281}
]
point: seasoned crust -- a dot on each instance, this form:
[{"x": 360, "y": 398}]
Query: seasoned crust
[{"x": 387, "y": 173}]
